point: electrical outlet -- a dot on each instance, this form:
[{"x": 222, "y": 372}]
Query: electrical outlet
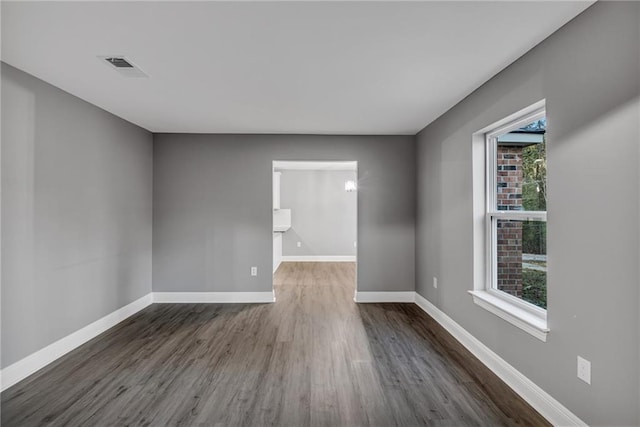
[
  {"x": 254, "y": 271},
  {"x": 435, "y": 282},
  {"x": 584, "y": 370},
  {"x": 355, "y": 244},
  {"x": 299, "y": 244}
]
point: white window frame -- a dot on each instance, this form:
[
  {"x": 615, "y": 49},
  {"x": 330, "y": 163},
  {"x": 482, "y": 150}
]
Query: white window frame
[{"x": 516, "y": 311}]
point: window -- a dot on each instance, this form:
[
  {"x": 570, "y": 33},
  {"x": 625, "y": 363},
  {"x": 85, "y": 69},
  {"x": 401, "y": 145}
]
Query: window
[{"x": 514, "y": 217}]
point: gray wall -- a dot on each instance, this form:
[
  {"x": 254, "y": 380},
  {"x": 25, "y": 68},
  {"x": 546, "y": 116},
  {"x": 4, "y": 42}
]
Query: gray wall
[
  {"x": 323, "y": 214},
  {"x": 589, "y": 73},
  {"x": 76, "y": 214},
  {"x": 212, "y": 208}
]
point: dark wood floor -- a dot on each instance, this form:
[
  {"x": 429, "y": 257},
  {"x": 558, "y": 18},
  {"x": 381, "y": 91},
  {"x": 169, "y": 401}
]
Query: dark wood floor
[{"x": 312, "y": 358}]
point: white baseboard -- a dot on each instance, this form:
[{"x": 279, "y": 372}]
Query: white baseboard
[
  {"x": 214, "y": 297},
  {"x": 539, "y": 399},
  {"x": 41, "y": 358},
  {"x": 277, "y": 266},
  {"x": 408, "y": 296},
  {"x": 318, "y": 258},
  {"x": 21, "y": 369}
]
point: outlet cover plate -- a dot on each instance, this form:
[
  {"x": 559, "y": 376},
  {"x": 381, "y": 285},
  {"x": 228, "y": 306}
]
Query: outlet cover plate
[{"x": 584, "y": 370}]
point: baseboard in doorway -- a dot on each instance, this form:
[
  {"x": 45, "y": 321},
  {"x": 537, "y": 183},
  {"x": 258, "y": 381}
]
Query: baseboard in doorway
[
  {"x": 556, "y": 413},
  {"x": 364, "y": 297},
  {"x": 277, "y": 266},
  {"x": 214, "y": 297},
  {"x": 318, "y": 258},
  {"x": 21, "y": 369}
]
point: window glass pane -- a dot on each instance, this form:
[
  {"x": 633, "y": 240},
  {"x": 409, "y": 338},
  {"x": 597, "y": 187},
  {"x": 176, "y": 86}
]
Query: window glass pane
[
  {"x": 522, "y": 260},
  {"x": 521, "y": 164}
]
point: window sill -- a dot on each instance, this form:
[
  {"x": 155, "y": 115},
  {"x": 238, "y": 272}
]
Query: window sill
[{"x": 519, "y": 317}]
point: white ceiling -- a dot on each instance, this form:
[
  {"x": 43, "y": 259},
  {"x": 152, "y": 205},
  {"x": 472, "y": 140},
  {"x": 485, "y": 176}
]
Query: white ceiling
[{"x": 276, "y": 67}]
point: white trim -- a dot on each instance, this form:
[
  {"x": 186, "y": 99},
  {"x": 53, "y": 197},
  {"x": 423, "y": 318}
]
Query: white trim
[
  {"x": 408, "y": 296},
  {"x": 519, "y": 317},
  {"x": 319, "y": 258},
  {"x": 21, "y": 369},
  {"x": 214, "y": 297},
  {"x": 556, "y": 413},
  {"x": 519, "y": 313},
  {"x": 540, "y": 400},
  {"x": 515, "y": 120},
  {"x": 519, "y": 215},
  {"x": 316, "y": 165},
  {"x": 277, "y": 251}
]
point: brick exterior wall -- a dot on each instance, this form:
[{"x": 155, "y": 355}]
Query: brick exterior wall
[{"x": 509, "y": 234}]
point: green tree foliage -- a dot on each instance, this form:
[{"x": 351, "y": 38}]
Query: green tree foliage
[
  {"x": 534, "y": 171},
  {"x": 534, "y": 287},
  {"x": 534, "y": 196}
]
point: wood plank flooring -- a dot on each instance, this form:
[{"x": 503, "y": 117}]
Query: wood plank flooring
[{"x": 312, "y": 358}]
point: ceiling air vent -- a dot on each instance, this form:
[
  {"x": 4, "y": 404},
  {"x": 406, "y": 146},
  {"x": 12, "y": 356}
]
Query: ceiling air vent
[
  {"x": 119, "y": 62},
  {"x": 123, "y": 66}
]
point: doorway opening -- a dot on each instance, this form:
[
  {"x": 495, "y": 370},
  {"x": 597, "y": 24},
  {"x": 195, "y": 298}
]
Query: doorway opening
[{"x": 315, "y": 226}]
